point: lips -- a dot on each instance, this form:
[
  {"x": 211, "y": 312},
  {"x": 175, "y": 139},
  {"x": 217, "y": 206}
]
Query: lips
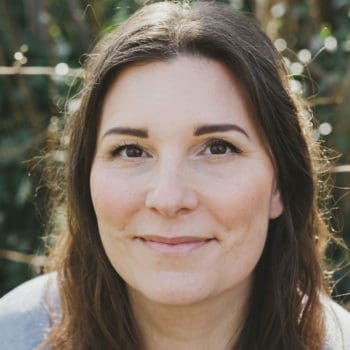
[
  {"x": 173, "y": 240},
  {"x": 174, "y": 245}
]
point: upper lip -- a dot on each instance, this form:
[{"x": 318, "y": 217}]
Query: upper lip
[{"x": 174, "y": 240}]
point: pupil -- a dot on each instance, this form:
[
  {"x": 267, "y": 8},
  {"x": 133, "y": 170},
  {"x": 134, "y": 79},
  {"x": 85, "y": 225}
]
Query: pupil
[
  {"x": 133, "y": 152},
  {"x": 218, "y": 148}
]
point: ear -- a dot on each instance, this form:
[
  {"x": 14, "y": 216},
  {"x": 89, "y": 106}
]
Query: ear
[{"x": 276, "y": 205}]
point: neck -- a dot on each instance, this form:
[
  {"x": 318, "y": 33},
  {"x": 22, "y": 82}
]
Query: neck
[{"x": 210, "y": 324}]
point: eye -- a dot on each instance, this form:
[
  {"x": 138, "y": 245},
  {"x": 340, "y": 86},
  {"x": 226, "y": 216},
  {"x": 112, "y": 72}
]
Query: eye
[
  {"x": 220, "y": 147},
  {"x": 129, "y": 151}
]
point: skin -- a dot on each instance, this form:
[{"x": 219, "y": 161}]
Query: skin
[{"x": 183, "y": 209}]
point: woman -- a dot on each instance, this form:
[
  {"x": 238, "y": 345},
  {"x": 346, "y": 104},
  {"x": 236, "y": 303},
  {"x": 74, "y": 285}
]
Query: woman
[{"x": 191, "y": 193}]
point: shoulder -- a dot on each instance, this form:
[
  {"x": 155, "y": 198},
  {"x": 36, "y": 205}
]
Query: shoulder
[
  {"x": 337, "y": 326},
  {"x": 25, "y": 313}
]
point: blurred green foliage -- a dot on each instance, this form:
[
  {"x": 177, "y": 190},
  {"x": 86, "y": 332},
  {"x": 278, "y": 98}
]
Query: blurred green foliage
[{"x": 312, "y": 35}]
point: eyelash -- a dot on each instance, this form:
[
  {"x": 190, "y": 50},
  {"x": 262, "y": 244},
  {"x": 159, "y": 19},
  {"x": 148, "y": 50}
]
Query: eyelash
[
  {"x": 116, "y": 152},
  {"x": 229, "y": 145},
  {"x": 120, "y": 148}
]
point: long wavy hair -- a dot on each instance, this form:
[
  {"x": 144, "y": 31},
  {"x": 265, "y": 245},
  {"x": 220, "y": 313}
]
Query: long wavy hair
[{"x": 284, "y": 311}]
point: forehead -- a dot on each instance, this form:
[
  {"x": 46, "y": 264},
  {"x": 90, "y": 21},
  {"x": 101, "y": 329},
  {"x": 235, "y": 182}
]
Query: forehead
[{"x": 182, "y": 91}]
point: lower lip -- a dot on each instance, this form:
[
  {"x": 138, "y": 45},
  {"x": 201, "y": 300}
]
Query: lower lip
[{"x": 177, "y": 248}]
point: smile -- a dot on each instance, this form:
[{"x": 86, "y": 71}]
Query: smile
[{"x": 174, "y": 245}]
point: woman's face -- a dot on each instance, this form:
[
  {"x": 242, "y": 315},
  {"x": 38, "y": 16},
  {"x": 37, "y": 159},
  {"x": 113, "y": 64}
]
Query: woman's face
[{"x": 182, "y": 183}]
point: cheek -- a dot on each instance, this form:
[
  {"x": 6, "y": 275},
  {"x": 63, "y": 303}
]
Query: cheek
[
  {"x": 243, "y": 211},
  {"x": 114, "y": 199},
  {"x": 242, "y": 203}
]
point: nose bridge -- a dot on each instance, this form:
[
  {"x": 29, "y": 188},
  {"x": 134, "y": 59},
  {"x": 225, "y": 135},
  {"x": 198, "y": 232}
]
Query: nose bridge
[{"x": 170, "y": 190}]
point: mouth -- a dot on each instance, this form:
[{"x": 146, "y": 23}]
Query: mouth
[{"x": 174, "y": 245}]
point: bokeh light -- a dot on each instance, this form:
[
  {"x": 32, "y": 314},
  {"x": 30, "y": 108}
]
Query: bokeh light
[
  {"x": 280, "y": 44},
  {"x": 296, "y": 68},
  {"x": 304, "y": 56},
  {"x": 18, "y": 56},
  {"x": 278, "y": 10},
  {"x": 62, "y": 69},
  {"x": 325, "y": 129},
  {"x": 295, "y": 86},
  {"x": 331, "y": 43}
]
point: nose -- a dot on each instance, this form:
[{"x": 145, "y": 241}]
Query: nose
[{"x": 170, "y": 193}]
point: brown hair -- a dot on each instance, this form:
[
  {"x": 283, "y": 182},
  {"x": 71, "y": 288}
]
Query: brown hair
[{"x": 284, "y": 311}]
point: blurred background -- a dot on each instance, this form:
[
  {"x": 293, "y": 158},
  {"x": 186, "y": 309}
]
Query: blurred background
[{"x": 42, "y": 46}]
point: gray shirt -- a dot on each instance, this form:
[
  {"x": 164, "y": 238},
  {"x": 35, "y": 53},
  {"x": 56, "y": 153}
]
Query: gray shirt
[{"x": 25, "y": 320}]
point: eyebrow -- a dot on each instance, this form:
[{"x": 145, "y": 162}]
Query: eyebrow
[
  {"x": 199, "y": 131},
  {"x": 212, "y": 128},
  {"x": 143, "y": 133}
]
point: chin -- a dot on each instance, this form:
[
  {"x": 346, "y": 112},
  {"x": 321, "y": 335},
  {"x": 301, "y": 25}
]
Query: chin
[{"x": 175, "y": 289}]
